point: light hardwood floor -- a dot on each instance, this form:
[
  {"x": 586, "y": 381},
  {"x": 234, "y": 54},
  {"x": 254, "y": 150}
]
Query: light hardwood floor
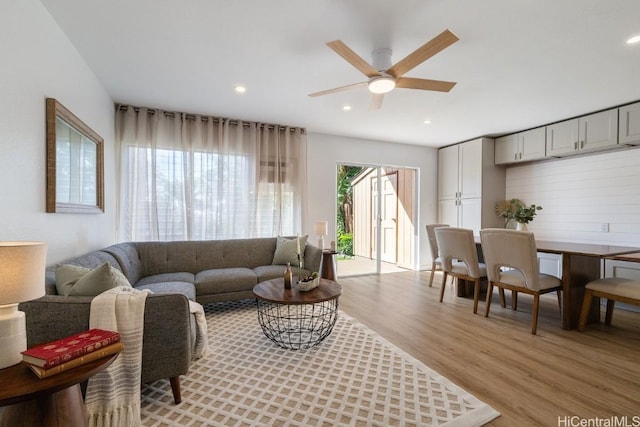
[{"x": 532, "y": 380}]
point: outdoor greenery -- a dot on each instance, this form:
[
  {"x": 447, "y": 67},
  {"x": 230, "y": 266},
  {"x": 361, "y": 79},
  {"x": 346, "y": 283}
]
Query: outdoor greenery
[
  {"x": 344, "y": 226},
  {"x": 345, "y": 244}
]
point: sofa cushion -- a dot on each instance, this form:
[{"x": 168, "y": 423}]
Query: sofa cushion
[
  {"x": 185, "y": 288},
  {"x": 268, "y": 272},
  {"x": 225, "y": 280},
  {"x": 181, "y": 276},
  {"x": 287, "y": 250},
  {"x": 73, "y": 280}
]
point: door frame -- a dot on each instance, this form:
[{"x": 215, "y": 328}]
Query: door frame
[{"x": 415, "y": 211}]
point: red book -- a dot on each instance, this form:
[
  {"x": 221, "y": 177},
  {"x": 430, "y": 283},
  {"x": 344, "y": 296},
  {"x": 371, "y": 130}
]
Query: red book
[
  {"x": 63, "y": 350},
  {"x": 78, "y": 361}
]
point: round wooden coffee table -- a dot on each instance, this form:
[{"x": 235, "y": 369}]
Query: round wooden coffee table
[{"x": 294, "y": 319}]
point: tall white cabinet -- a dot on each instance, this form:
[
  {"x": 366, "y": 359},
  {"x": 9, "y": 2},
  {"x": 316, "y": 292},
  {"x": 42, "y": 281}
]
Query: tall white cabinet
[{"x": 469, "y": 185}]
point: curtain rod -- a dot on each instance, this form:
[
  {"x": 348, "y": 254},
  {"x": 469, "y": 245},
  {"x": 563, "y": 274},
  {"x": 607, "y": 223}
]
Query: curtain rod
[{"x": 152, "y": 111}]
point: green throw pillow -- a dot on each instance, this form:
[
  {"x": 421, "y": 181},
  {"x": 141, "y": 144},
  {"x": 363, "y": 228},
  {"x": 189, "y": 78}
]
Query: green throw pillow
[
  {"x": 67, "y": 275},
  {"x": 287, "y": 250},
  {"x": 72, "y": 280}
]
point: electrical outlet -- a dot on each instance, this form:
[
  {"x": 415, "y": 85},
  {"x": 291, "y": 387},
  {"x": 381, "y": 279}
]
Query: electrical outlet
[{"x": 604, "y": 227}]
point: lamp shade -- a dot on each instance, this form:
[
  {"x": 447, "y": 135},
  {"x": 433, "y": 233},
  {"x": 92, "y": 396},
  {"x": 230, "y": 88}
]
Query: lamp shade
[
  {"x": 322, "y": 228},
  {"x": 22, "y": 267}
]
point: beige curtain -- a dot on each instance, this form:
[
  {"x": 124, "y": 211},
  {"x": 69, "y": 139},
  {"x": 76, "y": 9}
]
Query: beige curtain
[{"x": 191, "y": 177}]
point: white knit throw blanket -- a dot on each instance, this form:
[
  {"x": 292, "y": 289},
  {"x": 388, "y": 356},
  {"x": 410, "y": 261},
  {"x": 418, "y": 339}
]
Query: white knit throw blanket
[
  {"x": 113, "y": 395},
  {"x": 201, "y": 344}
]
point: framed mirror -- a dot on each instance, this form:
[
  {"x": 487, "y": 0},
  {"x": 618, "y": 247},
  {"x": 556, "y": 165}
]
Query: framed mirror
[{"x": 75, "y": 169}]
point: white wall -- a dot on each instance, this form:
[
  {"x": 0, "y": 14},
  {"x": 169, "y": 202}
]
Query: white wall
[
  {"x": 325, "y": 152},
  {"x": 38, "y": 61},
  {"x": 580, "y": 194}
]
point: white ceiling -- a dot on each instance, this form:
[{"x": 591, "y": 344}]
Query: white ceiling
[{"x": 518, "y": 64}]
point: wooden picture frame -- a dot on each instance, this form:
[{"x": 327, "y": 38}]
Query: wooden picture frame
[{"x": 75, "y": 163}]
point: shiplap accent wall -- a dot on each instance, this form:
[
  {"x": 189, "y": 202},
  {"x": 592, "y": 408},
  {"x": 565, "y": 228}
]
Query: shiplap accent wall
[{"x": 579, "y": 194}]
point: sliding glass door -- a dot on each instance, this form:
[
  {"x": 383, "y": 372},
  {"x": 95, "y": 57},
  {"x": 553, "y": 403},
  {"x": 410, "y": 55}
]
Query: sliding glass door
[{"x": 375, "y": 219}]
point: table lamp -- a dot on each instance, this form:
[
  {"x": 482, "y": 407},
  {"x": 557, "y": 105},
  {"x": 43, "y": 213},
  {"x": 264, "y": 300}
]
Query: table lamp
[
  {"x": 322, "y": 229},
  {"x": 22, "y": 266}
]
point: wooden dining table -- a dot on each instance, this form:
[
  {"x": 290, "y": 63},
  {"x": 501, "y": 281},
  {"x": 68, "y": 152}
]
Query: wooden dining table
[
  {"x": 581, "y": 263},
  {"x": 629, "y": 257}
]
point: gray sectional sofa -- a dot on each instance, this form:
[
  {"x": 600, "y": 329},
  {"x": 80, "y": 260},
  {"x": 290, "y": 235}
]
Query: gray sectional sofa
[{"x": 176, "y": 272}]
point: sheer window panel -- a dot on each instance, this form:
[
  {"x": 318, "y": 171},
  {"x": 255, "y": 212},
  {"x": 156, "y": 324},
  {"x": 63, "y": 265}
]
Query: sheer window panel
[{"x": 195, "y": 178}]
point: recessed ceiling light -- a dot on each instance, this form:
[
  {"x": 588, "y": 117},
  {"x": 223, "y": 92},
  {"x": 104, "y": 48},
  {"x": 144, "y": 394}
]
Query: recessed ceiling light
[
  {"x": 240, "y": 89},
  {"x": 346, "y": 107},
  {"x": 634, "y": 40},
  {"x": 427, "y": 122}
]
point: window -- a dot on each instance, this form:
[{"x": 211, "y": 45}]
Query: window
[{"x": 234, "y": 186}]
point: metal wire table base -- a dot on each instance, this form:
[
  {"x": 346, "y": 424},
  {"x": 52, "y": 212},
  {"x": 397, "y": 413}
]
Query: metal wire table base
[{"x": 297, "y": 326}]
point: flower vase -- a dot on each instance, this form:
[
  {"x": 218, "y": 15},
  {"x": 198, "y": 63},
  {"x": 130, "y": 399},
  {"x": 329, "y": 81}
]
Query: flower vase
[{"x": 521, "y": 227}]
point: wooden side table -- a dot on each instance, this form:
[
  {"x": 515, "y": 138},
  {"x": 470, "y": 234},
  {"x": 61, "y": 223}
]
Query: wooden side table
[
  {"x": 52, "y": 401},
  {"x": 328, "y": 265}
]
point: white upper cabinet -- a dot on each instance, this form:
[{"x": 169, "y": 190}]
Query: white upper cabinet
[
  {"x": 597, "y": 131},
  {"x": 507, "y": 149},
  {"x": 534, "y": 144},
  {"x": 629, "y": 129},
  {"x": 521, "y": 147}
]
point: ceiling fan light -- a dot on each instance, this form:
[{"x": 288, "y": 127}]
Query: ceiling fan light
[
  {"x": 382, "y": 84},
  {"x": 633, "y": 40}
]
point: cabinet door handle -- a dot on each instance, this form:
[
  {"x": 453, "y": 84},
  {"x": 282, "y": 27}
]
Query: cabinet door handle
[
  {"x": 515, "y": 156},
  {"x": 581, "y": 144},
  {"x": 575, "y": 145},
  {"x": 520, "y": 156}
]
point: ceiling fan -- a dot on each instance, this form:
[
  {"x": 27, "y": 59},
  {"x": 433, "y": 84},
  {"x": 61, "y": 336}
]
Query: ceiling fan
[{"x": 384, "y": 77}]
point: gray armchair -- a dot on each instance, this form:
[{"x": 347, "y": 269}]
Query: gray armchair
[
  {"x": 167, "y": 339},
  {"x": 166, "y": 351}
]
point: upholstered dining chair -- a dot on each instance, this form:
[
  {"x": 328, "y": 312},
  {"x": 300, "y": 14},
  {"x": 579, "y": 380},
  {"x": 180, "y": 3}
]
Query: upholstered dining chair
[
  {"x": 512, "y": 263},
  {"x": 459, "y": 258},
  {"x": 436, "y": 264}
]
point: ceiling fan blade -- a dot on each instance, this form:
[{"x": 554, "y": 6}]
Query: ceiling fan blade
[
  {"x": 353, "y": 58},
  {"x": 376, "y": 101},
  {"x": 338, "y": 89},
  {"x": 424, "y": 52},
  {"x": 424, "y": 84}
]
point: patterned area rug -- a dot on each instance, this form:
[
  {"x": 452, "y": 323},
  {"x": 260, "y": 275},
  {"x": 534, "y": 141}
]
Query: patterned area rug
[{"x": 353, "y": 378}]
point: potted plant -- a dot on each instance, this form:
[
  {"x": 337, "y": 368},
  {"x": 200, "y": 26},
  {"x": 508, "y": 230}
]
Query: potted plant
[
  {"x": 506, "y": 209},
  {"x": 516, "y": 210}
]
